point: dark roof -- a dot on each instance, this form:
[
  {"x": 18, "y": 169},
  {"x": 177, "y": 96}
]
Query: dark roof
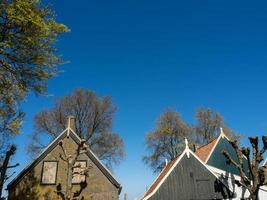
[
  {"x": 202, "y": 153},
  {"x": 51, "y": 146}
]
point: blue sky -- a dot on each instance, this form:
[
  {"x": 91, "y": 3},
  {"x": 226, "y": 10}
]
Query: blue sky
[{"x": 150, "y": 55}]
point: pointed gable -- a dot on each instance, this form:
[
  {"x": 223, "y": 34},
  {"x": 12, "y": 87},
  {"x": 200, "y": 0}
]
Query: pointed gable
[
  {"x": 161, "y": 176},
  {"x": 204, "y": 151},
  {"x": 218, "y": 160},
  {"x": 185, "y": 177},
  {"x": 209, "y": 154},
  {"x": 67, "y": 133}
]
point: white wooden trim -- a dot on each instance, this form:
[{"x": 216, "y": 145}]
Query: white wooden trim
[
  {"x": 205, "y": 165},
  {"x": 68, "y": 129},
  {"x": 222, "y": 172},
  {"x": 51, "y": 143},
  {"x": 236, "y": 177},
  {"x": 155, "y": 180},
  {"x": 186, "y": 151},
  {"x": 164, "y": 178},
  {"x": 222, "y": 135},
  {"x": 75, "y": 134},
  {"x": 212, "y": 170},
  {"x": 25, "y": 168},
  {"x": 213, "y": 148}
]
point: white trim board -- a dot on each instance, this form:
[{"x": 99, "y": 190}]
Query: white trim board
[
  {"x": 236, "y": 177},
  {"x": 222, "y": 135},
  {"x": 188, "y": 152},
  {"x": 90, "y": 151},
  {"x": 68, "y": 132},
  {"x": 39, "y": 155},
  {"x": 165, "y": 177}
]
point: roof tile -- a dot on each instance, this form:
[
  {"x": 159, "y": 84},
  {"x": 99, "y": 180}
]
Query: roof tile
[{"x": 204, "y": 151}]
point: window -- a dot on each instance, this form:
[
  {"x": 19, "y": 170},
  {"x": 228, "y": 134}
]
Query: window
[
  {"x": 79, "y": 172},
  {"x": 49, "y": 172}
]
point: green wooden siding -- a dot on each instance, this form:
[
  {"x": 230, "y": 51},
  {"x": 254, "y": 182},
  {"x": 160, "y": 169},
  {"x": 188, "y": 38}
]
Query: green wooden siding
[
  {"x": 218, "y": 160},
  {"x": 191, "y": 180}
]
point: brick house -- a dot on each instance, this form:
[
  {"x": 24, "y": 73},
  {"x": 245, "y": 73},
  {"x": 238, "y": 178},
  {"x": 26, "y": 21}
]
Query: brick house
[{"x": 40, "y": 179}]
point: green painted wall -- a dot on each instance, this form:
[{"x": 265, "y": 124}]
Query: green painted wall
[
  {"x": 218, "y": 160},
  {"x": 191, "y": 180}
]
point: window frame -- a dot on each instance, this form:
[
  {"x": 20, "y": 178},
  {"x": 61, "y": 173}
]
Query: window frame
[
  {"x": 77, "y": 183},
  {"x": 42, "y": 174}
]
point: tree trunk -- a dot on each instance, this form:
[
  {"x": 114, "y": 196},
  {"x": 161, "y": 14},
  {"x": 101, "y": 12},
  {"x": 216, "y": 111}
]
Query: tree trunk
[
  {"x": 254, "y": 195},
  {"x": 69, "y": 183},
  {"x": 4, "y": 167}
]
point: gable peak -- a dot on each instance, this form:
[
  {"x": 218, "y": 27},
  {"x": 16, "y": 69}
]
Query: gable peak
[
  {"x": 222, "y": 133},
  {"x": 187, "y": 147},
  {"x": 70, "y": 124}
]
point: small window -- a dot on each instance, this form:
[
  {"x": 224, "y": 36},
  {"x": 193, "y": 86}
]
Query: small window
[
  {"x": 49, "y": 172},
  {"x": 79, "y": 172}
]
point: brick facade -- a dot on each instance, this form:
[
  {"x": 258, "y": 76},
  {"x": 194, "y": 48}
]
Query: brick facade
[{"x": 29, "y": 186}]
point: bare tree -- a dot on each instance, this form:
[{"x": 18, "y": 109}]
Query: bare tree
[
  {"x": 5, "y": 166},
  {"x": 256, "y": 177},
  {"x": 166, "y": 141},
  {"x": 71, "y": 160},
  {"x": 93, "y": 123},
  {"x": 208, "y": 126}
]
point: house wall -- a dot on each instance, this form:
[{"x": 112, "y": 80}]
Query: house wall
[
  {"x": 191, "y": 180},
  {"x": 218, "y": 160},
  {"x": 240, "y": 191},
  {"x": 230, "y": 180},
  {"x": 29, "y": 187}
]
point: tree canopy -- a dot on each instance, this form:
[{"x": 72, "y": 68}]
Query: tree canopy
[
  {"x": 166, "y": 141},
  {"x": 93, "y": 123},
  {"x": 208, "y": 124},
  {"x": 28, "y": 57}
]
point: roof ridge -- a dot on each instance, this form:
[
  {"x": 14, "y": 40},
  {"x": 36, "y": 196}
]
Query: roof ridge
[
  {"x": 161, "y": 175},
  {"x": 212, "y": 140},
  {"x": 35, "y": 160},
  {"x": 166, "y": 171},
  {"x": 52, "y": 145}
]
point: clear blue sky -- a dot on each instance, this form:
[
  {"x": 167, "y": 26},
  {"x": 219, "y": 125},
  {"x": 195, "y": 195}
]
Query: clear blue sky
[{"x": 149, "y": 55}]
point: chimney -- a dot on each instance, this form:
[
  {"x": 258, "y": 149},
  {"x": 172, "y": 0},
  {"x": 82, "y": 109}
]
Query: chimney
[
  {"x": 71, "y": 122},
  {"x": 195, "y": 147}
]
